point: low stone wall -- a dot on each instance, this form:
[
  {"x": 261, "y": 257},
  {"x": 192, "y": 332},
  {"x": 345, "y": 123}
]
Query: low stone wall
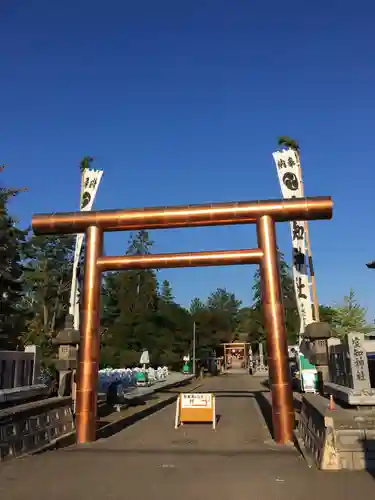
[
  {"x": 30, "y": 427},
  {"x": 22, "y": 395},
  {"x": 337, "y": 439},
  {"x": 35, "y": 426},
  {"x": 19, "y": 368}
]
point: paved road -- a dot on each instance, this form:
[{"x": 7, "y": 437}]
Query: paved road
[{"x": 153, "y": 460}]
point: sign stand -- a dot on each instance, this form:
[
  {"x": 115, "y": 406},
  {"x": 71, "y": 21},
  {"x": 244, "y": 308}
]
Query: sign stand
[{"x": 195, "y": 408}]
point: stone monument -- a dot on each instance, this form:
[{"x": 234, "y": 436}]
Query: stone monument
[
  {"x": 342, "y": 436},
  {"x": 349, "y": 371}
]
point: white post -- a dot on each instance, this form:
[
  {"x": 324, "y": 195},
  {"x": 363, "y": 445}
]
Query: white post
[
  {"x": 261, "y": 355},
  {"x": 194, "y": 360}
]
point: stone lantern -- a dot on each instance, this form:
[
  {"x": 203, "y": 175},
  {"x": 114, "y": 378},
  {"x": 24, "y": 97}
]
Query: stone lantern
[
  {"x": 314, "y": 347},
  {"x": 68, "y": 341}
]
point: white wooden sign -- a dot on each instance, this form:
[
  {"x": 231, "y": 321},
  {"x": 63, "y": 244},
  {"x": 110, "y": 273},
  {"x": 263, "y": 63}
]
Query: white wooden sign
[
  {"x": 196, "y": 401},
  {"x": 195, "y": 408}
]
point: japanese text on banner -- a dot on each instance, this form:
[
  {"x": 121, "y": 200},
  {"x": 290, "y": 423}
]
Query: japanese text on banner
[
  {"x": 291, "y": 187},
  {"x": 89, "y": 187}
]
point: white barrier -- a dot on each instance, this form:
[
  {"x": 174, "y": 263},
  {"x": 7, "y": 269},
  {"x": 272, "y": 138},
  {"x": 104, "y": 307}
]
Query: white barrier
[{"x": 127, "y": 376}]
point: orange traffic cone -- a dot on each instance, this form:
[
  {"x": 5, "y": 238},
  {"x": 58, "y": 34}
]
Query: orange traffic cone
[{"x": 331, "y": 405}]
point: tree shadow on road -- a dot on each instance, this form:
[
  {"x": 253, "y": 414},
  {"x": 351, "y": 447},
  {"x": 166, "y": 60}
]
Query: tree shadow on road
[{"x": 264, "y": 403}]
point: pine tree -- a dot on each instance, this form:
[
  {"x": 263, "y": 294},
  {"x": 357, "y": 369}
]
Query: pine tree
[
  {"x": 166, "y": 294},
  {"x": 129, "y": 307},
  {"x": 196, "y": 306},
  {"x": 139, "y": 243},
  {"x": 224, "y": 306},
  {"x": 110, "y": 306},
  {"x": 48, "y": 262},
  {"x": 11, "y": 273}
]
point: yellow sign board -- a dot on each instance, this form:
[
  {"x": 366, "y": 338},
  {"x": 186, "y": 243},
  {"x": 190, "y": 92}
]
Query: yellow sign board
[{"x": 197, "y": 408}]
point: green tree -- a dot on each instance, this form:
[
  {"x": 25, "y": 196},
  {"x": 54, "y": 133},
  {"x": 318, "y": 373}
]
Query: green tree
[
  {"x": 213, "y": 327},
  {"x": 250, "y": 325},
  {"x": 223, "y": 300},
  {"x": 11, "y": 272},
  {"x": 326, "y": 314},
  {"x": 48, "y": 263},
  {"x": 196, "y": 306},
  {"x": 142, "y": 284},
  {"x": 224, "y": 307},
  {"x": 139, "y": 243},
  {"x": 174, "y": 327},
  {"x": 166, "y": 294},
  {"x": 292, "y": 320},
  {"x": 351, "y": 317},
  {"x": 129, "y": 307},
  {"x": 110, "y": 304}
]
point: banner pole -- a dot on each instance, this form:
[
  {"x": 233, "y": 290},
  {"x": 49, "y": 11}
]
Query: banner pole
[
  {"x": 308, "y": 248},
  {"x": 90, "y": 180}
]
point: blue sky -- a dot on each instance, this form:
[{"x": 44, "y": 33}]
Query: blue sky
[{"x": 181, "y": 102}]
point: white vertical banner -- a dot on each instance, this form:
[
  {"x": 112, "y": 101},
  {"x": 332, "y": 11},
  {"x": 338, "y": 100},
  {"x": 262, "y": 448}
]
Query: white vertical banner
[
  {"x": 89, "y": 187},
  {"x": 291, "y": 187}
]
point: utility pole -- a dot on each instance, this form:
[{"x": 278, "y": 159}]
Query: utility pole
[{"x": 194, "y": 360}]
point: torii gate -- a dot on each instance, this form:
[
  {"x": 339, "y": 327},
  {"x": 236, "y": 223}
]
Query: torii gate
[{"x": 262, "y": 213}]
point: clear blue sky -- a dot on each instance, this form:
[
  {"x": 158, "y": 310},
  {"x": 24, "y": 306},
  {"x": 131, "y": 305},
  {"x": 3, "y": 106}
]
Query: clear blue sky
[{"x": 181, "y": 102}]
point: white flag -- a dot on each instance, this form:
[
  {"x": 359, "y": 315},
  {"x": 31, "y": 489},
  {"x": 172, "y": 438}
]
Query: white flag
[
  {"x": 291, "y": 187},
  {"x": 89, "y": 187},
  {"x": 145, "y": 358}
]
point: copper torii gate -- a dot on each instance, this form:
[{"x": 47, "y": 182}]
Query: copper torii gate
[{"x": 262, "y": 213}]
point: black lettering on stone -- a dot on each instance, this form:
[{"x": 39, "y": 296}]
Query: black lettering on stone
[{"x": 360, "y": 375}]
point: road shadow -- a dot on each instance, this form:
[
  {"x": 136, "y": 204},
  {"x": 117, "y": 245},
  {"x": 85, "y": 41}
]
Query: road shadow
[
  {"x": 198, "y": 424},
  {"x": 229, "y": 391},
  {"x": 111, "y": 428},
  {"x": 281, "y": 452},
  {"x": 265, "y": 407},
  {"x": 229, "y": 395},
  {"x": 106, "y": 428},
  {"x": 264, "y": 402}
]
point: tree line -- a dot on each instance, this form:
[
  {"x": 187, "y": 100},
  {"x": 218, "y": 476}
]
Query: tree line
[{"x": 138, "y": 310}]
